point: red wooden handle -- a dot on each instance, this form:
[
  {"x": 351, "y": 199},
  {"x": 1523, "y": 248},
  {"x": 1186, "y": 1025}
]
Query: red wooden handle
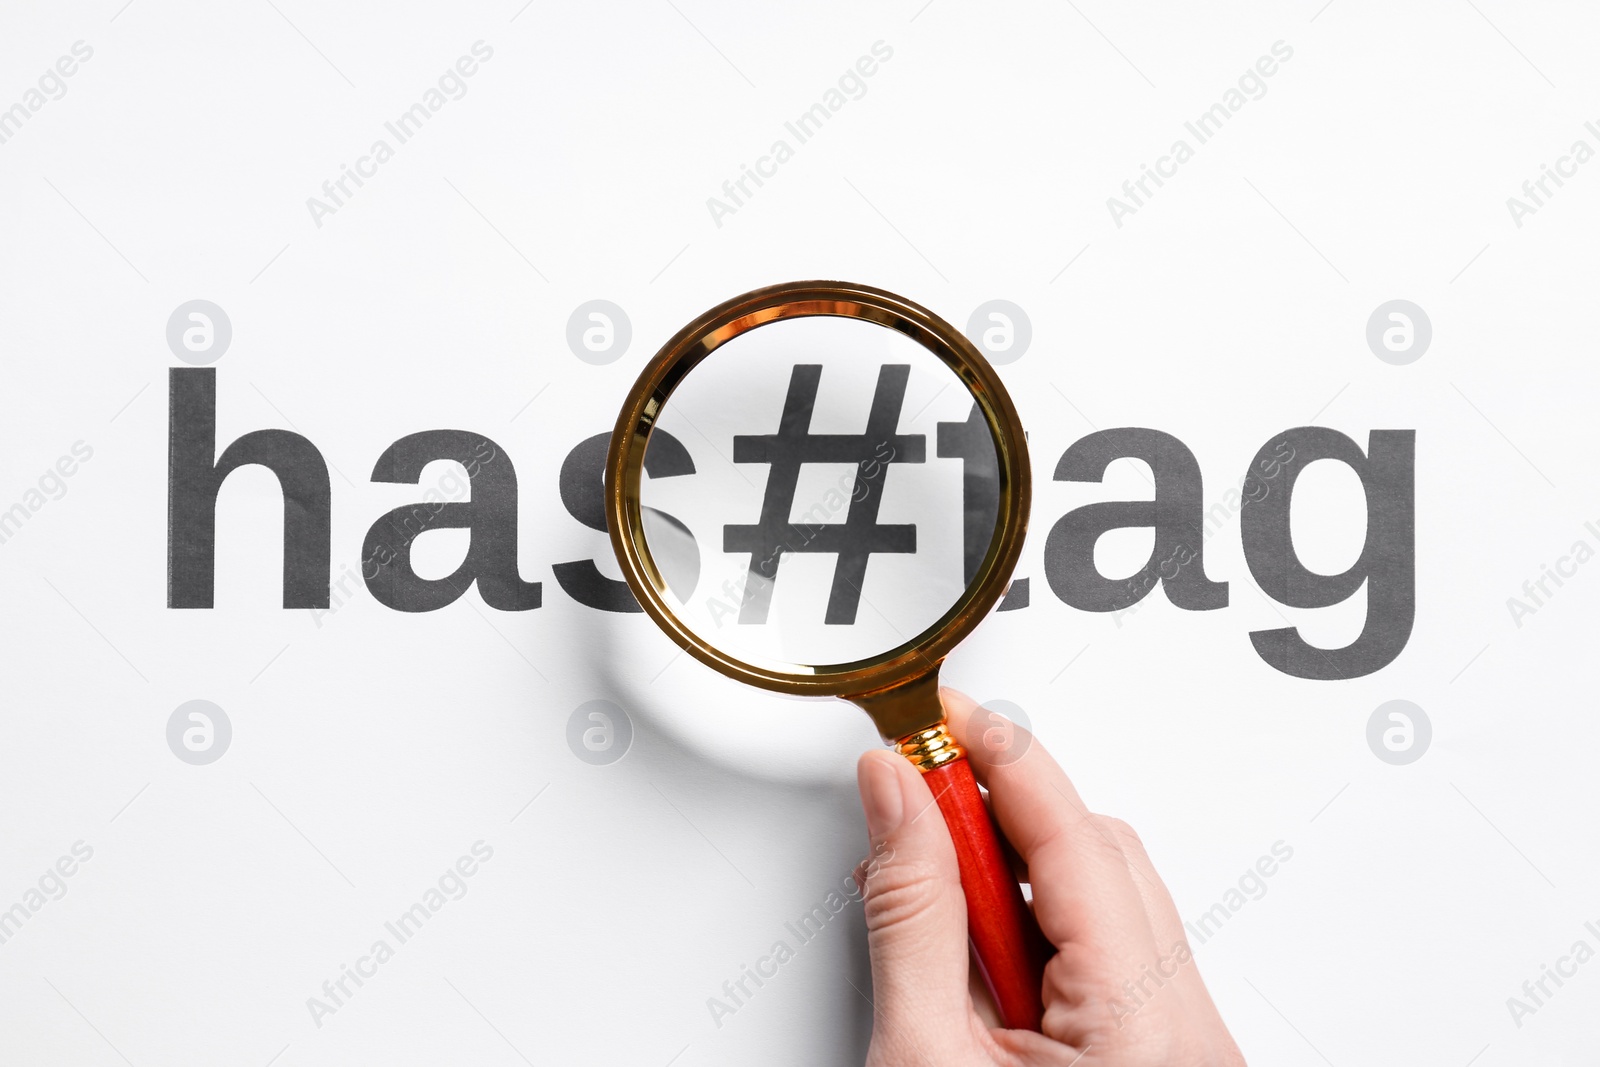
[{"x": 1010, "y": 950}]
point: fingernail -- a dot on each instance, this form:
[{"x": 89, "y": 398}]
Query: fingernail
[{"x": 880, "y": 796}]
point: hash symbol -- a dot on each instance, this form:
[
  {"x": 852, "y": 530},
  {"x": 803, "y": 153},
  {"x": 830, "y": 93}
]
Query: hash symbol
[{"x": 860, "y": 534}]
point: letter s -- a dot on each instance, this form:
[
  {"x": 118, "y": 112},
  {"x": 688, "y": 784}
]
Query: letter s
[{"x": 583, "y": 495}]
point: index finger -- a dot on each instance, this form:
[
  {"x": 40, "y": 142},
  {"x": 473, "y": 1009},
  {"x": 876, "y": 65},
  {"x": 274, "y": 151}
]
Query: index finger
[{"x": 1083, "y": 889}]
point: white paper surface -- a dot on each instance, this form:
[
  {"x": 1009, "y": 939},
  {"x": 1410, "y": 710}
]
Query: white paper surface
[{"x": 371, "y": 749}]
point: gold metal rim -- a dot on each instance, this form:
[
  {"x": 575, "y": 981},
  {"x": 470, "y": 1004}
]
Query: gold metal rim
[{"x": 625, "y": 469}]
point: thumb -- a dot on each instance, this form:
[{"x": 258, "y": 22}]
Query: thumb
[{"x": 916, "y": 915}]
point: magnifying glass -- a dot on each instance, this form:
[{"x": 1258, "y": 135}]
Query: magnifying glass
[{"x": 865, "y": 511}]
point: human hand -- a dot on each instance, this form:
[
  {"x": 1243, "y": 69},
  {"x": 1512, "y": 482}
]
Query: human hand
[{"x": 1123, "y": 989}]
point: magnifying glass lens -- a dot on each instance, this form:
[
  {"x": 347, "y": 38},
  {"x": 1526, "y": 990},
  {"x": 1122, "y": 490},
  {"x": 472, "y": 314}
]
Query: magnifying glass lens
[{"x": 844, "y": 495}]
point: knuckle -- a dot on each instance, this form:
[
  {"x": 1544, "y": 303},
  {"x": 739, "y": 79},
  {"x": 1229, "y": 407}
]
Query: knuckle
[
  {"x": 900, "y": 891},
  {"x": 1124, "y": 835}
]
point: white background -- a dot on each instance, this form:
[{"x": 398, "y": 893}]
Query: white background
[{"x": 372, "y": 748}]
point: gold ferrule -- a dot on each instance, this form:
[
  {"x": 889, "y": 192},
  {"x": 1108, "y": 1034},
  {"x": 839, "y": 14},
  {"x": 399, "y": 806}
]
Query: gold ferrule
[{"x": 930, "y": 748}]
